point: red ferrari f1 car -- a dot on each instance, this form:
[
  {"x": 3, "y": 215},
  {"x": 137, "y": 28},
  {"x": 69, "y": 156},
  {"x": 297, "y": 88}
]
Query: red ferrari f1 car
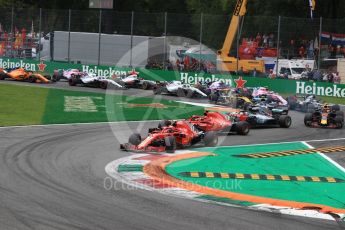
[
  {"x": 214, "y": 121},
  {"x": 168, "y": 137}
]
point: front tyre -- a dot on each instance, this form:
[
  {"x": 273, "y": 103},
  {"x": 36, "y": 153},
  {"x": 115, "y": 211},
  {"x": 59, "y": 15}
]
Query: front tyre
[
  {"x": 135, "y": 139},
  {"x": 242, "y": 128},
  {"x": 285, "y": 121},
  {"x": 170, "y": 144},
  {"x": 211, "y": 139},
  {"x": 308, "y": 117}
]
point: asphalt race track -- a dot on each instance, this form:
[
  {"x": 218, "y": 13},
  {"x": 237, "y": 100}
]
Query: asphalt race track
[{"x": 52, "y": 177}]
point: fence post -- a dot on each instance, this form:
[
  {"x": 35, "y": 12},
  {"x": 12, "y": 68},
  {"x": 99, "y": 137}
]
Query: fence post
[
  {"x": 69, "y": 36},
  {"x": 319, "y": 51},
  {"x": 278, "y": 51},
  {"x": 12, "y": 35},
  {"x": 165, "y": 39},
  {"x": 130, "y": 53},
  {"x": 99, "y": 36},
  {"x": 200, "y": 39},
  {"x": 39, "y": 35}
]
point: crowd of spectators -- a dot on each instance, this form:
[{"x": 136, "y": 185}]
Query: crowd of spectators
[{"x": 187, "y": 64}]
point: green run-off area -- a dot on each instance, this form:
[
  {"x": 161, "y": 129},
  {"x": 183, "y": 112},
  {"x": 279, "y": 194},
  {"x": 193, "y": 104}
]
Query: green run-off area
[
  {"x": 331, "y": 194},
  {"x": 24, "y": 105}
]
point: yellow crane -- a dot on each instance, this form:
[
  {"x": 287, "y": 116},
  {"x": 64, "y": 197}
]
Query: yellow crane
[{"x": 227, "y": 63}]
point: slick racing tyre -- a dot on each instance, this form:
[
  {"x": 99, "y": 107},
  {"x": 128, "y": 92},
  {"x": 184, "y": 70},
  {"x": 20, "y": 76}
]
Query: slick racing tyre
[
  {"x": 103, "y": 85},
  {"x": 310, "y": 108},
  {"x": 72, "y": 82},
  {"x": 181, "y": 92},
  {"x": 157, "y": 90},
  {"x": 190, "y": 93},
  {"x": 170, "y": 144},
  {"x": 339, "y": 113},
  {"x": 211, "y": 139},
  {"x": 164, "y": 123},
  {"x": 32, "y": 79},
  {"x": 242, "y": 128},
  {"x": 284, "y": 121},
  {"x": 339, "y": 122},
  {"x": 336, "y": 107},
  {"x": 145, "y": 85},
  {"x": 308, "y": 117},
  {"x": 134, "y": 139},
  {"x": 213, "y": 98}
]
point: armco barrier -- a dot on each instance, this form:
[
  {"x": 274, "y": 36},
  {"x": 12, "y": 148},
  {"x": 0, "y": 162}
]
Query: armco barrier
[{"x": 278, "y": 85}]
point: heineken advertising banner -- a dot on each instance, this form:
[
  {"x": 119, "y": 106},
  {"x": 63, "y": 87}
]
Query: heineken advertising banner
[{"x": 278, "y": 85}]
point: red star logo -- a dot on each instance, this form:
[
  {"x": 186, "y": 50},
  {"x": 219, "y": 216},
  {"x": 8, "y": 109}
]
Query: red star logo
[
  {"x": 133, "y": 72},
  {"x": 240, "y": 82},
  {"x": 41, "y": 66}
]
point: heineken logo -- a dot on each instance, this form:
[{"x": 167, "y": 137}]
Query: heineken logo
[
  {"x": 195, "y": 78},
  {"x": 41, "y": 67},
  {"x": 105, "y": 72},
  {"x": 330, "y": 91},
  {"x": 8, "y": 64}
]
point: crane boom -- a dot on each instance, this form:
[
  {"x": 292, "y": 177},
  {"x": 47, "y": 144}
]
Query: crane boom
[{"x": 240, "y": 10}]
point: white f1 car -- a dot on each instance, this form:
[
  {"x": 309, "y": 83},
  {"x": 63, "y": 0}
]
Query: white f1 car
[
  {"x": 66, "y": 74},
  {"x": 91, "y": 80},
  {"x": 134, "y": 81},
  {"x": 178, "y": 88}
]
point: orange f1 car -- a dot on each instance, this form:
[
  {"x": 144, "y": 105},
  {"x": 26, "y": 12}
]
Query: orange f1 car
[{"x": 20, "y": 74}]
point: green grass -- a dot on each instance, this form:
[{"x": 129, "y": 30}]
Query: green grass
[
  {"x": 21, "y": 105},
  {"x": 332, "y": 100},
  {"x": 27, "y": 105}
]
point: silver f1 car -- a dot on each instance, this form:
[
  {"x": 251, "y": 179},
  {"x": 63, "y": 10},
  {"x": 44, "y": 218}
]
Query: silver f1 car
[
  {"x": 91, "y": 80},
  {"x": 304, "y": 103},
  {"x": 179, "y": 89},
  {"x": 134, "y": 81}
]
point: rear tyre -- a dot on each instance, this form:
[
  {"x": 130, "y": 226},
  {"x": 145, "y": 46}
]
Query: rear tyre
[
  {"x": 308, "y": 117},
  {"x": 339, "y": 113},
  {"x": 285, "y": 121},
  {"x": 190, "y": 93},
  {"x": 55, "y": 78},
  {"x": 134, "y": 139},
  {"x": 145, "y": 85},
  {"x": 242, "y": 128},
  {"x": 170, "y": 144},
  {"x": 164, "y": 123},
  {"x": 181, "y": 92},
  {"x": 157, "y": 90},
  {"x": 32, "y": 79},
  {"x": 213, "y": 98},
  {"x": 211, "y": 139},
  {"x": 72, "y": 82},
  {"x": 103, "y": 85},
  {"x": 335, "y": 107},
  {"x": 339, "y": 122},
  {"x": 2, "y": 76}
]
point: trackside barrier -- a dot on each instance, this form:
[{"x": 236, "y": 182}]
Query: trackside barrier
[{"x": 278, "y": 85}]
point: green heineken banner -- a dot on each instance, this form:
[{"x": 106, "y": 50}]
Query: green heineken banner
[{"x": 278, "y": 85}]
